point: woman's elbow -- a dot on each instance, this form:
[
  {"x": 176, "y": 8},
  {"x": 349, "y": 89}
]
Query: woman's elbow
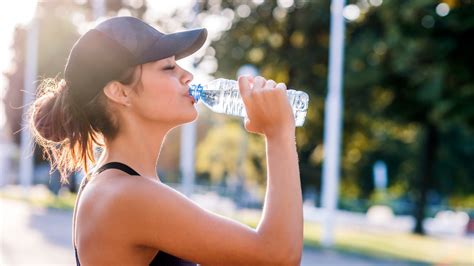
[
  {"x": 293, "y": 256},
  {"x": 285, "y": 256}
]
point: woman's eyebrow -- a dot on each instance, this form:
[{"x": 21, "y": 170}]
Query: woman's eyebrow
[{"x": 169, "y": 62}]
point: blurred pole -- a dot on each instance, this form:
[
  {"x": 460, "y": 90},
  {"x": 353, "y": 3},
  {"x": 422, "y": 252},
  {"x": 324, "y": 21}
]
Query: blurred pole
[
  {"x": 333, "y": 123},
  {"x": 188, "y": 139},
  {"x": 31, "y": 71},
  {"x": 380, "y": 176},
  {"x": 188, "y": 143}
]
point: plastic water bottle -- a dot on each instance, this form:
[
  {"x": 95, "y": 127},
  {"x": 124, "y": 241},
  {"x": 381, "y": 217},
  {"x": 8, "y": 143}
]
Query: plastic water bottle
[{"x": 223, "y": 96}]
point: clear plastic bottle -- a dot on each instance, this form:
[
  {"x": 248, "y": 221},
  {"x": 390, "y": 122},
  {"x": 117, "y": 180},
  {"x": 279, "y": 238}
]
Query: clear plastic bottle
[{"x": 223, "y": 96}]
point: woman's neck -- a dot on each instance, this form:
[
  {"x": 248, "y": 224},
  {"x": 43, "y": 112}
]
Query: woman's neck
[{"x": 139, "y": 148}]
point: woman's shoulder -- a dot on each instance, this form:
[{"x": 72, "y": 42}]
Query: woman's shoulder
[
  {"x": 115, "y": 188},
  {"x": 114, "y": 207},
  {"x": 113, "y": 194}
]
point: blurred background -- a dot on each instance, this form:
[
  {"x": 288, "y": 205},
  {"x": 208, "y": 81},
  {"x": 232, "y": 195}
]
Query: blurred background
[{"x": 403, "y": 184}]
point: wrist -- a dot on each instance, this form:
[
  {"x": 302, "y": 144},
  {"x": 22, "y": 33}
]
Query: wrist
[{"x": 281, "y": 136}]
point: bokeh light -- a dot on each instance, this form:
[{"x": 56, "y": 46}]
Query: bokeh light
[
  {"x": 285, "y": 3},
  {"x": 428, "y": 21},
  {"x": 243, "y": 11},
  {"x": 442, "y": 9},
  {"x": 376, "y": 2},
  {"x": 351, "y": 12}
]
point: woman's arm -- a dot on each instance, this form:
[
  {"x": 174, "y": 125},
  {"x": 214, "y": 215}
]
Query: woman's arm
[
  {"x": 270, "y": 114},
  {"x": 151, "y": 214},
  {"x": 282, "y": 218}
]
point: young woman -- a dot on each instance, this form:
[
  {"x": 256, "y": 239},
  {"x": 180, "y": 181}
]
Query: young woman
[{"x": 123, "y": 90}]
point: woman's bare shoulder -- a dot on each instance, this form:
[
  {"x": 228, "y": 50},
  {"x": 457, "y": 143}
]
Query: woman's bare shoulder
[
  {"x": 118, "y": 201},
  {"x": 117, "y": 189}
]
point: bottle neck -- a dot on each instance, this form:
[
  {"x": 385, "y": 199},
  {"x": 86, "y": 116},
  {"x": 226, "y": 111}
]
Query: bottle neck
[{"x": 195, "y": 90}]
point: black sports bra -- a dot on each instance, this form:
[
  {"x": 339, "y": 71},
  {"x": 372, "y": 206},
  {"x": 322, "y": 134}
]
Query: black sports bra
[{"x": 162, "y": 258}]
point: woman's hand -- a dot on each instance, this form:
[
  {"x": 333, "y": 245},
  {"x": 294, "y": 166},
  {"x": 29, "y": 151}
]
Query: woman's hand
[{"x": 268, "y": 110}]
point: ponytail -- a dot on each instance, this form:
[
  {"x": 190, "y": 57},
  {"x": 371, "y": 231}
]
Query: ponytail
[
  {"x": 63, "y": 129},
  {"x": 69, "y": 131}
]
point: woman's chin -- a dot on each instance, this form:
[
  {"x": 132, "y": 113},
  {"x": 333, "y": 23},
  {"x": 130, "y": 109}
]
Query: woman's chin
[
  {"x": 194, "y": 116},
  {"x": 190, "y": 117}
]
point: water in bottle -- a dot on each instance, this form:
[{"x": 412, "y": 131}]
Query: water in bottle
[{"x": 223, "y": 96}]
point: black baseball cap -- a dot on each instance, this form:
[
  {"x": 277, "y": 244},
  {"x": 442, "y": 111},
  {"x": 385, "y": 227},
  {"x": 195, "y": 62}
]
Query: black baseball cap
[{"x": 105, "y": 52}]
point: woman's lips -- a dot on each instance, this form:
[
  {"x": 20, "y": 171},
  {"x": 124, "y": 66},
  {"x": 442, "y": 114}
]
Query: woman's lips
[{"x": 191, "y": 98}]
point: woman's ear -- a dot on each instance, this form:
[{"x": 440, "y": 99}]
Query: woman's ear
[{"x": 117, "y": 93}]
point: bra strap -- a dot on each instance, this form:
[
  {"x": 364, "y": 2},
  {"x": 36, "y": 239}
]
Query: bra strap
[{"x": 116, "y": 165}]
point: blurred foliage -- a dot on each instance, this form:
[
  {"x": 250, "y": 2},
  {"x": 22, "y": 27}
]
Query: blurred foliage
[
  {"x": 228, "y": 152},
  {"x": 41, "y": 196},
  {"x": 408, "y": 89},
  {"x": 414, "y": 64},
  {"x": 463, "y": 202}
]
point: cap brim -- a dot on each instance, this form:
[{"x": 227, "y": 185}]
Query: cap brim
[{"x": 179, "y": 44}]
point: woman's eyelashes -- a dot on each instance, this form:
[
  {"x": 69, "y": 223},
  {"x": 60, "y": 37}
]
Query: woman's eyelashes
[{"x": 169, "y": 67}]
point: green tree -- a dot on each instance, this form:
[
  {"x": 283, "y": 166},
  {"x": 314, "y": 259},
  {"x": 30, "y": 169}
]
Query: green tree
[
  {"x": 227, "y": 154},
  {"x": 417, "y": 66},
  {"x": 408, "y": 88}
]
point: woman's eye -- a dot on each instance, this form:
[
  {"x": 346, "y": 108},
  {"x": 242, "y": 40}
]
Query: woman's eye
[{"x": 169, "y": 67}]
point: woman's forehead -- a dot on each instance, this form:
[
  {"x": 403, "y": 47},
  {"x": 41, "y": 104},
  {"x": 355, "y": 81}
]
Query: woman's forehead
[
  {"x": 166, "y": 60},
  {"x": 162, "y": 62}
]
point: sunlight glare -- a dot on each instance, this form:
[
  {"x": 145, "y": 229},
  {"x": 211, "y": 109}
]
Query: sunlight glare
[
  {"x": 12, "y": 13},
  {"x": 20, "y": 11},
  {"x": 168, "y": 7}
]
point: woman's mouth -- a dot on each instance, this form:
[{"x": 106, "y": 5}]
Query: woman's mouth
[{"x": 191, "y": 98}]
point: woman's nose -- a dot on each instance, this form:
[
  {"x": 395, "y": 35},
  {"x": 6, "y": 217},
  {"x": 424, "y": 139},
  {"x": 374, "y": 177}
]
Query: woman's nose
[{"x": 187, "y": 76}]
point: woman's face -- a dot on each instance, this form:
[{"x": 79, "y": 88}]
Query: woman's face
[{"x": 163, "y": 95}]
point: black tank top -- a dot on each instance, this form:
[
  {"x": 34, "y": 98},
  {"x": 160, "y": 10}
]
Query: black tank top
[{"x": 162, "y": 258}]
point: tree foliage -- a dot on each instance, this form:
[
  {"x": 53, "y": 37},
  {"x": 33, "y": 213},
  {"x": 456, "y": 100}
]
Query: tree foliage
[
  {"x": 408, "y": 88},
  {"x": 416, "y": 63}
]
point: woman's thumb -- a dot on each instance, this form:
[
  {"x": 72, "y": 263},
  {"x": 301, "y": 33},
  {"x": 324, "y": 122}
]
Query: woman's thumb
[{"x": 249, "y": 126}]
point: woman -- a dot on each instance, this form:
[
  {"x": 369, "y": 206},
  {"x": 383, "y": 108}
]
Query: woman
[{"x": 123, "y": 90}]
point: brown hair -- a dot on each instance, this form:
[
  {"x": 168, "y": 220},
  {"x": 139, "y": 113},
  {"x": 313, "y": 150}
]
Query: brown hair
[{"x": 68, "y": 130}]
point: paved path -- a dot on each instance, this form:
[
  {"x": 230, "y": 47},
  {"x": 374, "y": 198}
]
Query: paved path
[{"x": 36, "y": 236}]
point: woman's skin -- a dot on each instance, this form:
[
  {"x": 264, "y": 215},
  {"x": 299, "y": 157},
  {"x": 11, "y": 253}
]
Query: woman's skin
[{"x": 126, "y": 220}]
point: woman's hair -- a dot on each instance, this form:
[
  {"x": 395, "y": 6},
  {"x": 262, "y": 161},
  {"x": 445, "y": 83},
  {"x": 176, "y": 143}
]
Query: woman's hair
[{"x": 67, "y": 130}]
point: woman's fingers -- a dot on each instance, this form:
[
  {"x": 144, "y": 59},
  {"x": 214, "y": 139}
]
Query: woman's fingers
[
  {"x": 270, "y": 84},
  {"x": 244, "y": 86},
  {"x": 266, "y": 104},
  {"x": 281, "y": 86},
  {"x": 258, "y": 82}
]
